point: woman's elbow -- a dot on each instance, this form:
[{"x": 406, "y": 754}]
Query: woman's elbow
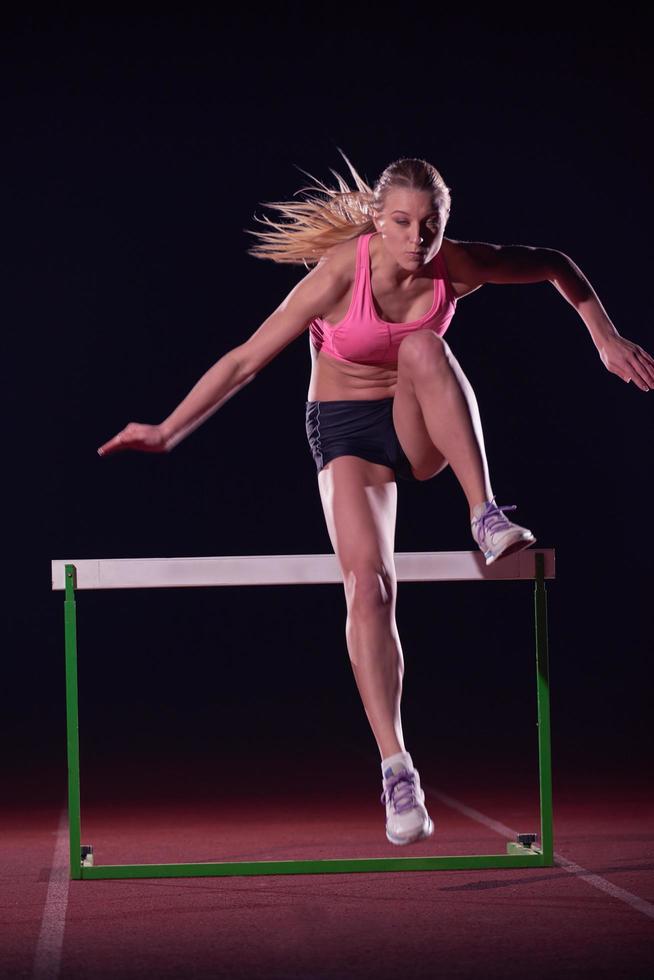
[{"x": 247, "y": 365}]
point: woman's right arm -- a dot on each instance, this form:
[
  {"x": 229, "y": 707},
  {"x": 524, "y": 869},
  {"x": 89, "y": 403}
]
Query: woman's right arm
[{"x": 319, "y": 290}]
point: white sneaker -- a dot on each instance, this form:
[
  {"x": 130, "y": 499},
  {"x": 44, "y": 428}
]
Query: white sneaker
[
  {"x": 495, "y": 534},
  {"x": 407, "y": 819}
]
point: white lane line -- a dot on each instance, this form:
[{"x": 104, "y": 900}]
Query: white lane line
[
  {"x": 640, "y": 904},
  {"x": 47, "y": 958}
]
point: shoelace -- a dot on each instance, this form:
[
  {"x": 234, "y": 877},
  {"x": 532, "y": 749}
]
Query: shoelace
[
  {"x": 493, "y": 519},
  {"x": 400, "y": 791}
]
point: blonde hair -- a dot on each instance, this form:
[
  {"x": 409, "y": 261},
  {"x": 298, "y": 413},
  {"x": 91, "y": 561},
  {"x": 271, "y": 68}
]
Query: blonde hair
[{"x": 317, "y": 224}]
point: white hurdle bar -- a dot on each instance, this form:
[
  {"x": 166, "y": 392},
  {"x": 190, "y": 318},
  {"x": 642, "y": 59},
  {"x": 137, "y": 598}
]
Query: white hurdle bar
[{"x": 411, "y": 566}]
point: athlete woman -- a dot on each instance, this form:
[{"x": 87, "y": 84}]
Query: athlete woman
[{"x": 387, "y": 398}]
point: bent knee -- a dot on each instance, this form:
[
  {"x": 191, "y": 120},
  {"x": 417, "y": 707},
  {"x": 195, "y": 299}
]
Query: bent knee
[
  {"x": 369, "y": 587},
  {"x": 421, "y": 348}
]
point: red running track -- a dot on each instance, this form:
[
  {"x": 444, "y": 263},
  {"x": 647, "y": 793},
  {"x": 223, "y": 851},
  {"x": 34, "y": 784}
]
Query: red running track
[{"x": 555, "y": 922}]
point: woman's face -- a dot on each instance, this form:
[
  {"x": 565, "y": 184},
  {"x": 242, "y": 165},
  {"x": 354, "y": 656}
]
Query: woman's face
[{"x": 412, "y": 221}]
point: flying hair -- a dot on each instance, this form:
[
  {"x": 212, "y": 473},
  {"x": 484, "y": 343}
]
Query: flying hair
[{"x": 315, "y": 224}]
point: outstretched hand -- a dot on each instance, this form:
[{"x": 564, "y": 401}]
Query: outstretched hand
[
  {"x": 629, "y": 361},
  {"x": 136, "y": 435}
]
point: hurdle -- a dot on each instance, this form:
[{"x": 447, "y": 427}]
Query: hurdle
[{"x": 70, "y": 575}]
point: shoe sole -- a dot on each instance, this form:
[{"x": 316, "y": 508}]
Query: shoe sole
[
  {"x": 511, "y": 549},
  {"x": 412, "y": 840}
]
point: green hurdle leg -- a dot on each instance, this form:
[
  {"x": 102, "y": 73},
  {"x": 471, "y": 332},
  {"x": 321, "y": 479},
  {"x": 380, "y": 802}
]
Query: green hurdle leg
[
  {"x": 543, "y": 697},
  {"x": 72, "y": 723}
]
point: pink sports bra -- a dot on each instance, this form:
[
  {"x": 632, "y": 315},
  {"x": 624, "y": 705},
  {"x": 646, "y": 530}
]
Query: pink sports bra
[{"x": 362, "y": 336}]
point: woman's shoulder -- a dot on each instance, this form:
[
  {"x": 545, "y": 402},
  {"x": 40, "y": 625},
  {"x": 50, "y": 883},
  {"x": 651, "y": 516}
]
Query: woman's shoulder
[
  {"x": 341, "y": 258},
  {"x": 343, "y": 250},
  {"x": 459, "y": 256},
  {"x": 454, "y": 250}
]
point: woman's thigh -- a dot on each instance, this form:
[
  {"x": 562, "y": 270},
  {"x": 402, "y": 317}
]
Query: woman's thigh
[
  {"x": 359, "y": 500},
  {"x": 425, "y": 458}
]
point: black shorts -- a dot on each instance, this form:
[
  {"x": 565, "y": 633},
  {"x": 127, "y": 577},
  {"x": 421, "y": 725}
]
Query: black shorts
[{"x": 356, "y": 427}]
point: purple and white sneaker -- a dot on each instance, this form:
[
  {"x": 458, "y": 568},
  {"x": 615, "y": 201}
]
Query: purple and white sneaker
[
  {"x": 407, "y": 819},
  {"x": 495, "y": 534}
]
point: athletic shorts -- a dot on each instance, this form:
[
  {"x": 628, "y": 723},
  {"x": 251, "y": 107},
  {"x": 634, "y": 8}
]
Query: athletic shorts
[{"x": 356, "y": 427}]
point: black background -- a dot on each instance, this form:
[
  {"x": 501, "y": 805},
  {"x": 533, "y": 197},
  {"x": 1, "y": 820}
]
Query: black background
[{"x": 136, "y": 150}]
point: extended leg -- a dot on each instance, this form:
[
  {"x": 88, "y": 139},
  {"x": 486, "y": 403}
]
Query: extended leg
[{"x": 360, "y": 502}]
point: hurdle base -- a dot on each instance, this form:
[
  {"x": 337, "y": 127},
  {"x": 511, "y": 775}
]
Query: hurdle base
[
  {"x": 527, "y": 858},
  {"x": 514, "y": 848}
]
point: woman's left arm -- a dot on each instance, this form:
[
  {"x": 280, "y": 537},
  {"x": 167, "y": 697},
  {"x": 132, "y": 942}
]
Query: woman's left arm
[
  {"x": 619, "y": 355},
  {"x": 480, "y": 262}
]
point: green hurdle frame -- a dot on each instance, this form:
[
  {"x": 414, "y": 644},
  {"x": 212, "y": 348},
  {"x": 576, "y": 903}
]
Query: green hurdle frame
[{"x": 522, "y": 853}]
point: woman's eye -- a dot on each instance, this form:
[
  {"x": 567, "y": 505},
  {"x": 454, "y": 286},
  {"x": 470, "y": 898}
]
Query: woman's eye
[{"x": 433, "y": 225}]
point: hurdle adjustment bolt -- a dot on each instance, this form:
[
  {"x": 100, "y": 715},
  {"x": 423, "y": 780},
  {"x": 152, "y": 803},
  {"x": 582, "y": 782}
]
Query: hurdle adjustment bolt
[{"x": 527, "y": 839}]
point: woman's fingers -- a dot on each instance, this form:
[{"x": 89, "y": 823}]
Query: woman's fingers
[
  {"x": 630, "y": 362},
  {"x": 136, "y": 435},
  {"x": 112, "y": 445},
  {"x": 646, "y": 364},
  {"x": 109, "y": 447},
  {"x": 641, "y": 370}
]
